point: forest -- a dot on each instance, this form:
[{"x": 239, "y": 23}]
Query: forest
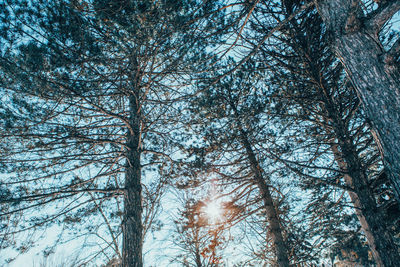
[{"x": 199, "y": 133}]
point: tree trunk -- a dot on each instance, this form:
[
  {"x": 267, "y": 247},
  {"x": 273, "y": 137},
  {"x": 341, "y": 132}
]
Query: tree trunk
[
  {"x": 272, "y": 215},
  {"x": 197, "y": 252},
  {"x": 355, "y": 42},
  {"x": 371, "y": 218},
  {"x": 132, "y": 223},
  {"x": 281, "y": 251},
  {"x": 279, "y": 243},
  {"x": 198, "y": 258}
]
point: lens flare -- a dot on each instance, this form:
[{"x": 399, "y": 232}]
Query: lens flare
[{"x": 213, "y": 211}]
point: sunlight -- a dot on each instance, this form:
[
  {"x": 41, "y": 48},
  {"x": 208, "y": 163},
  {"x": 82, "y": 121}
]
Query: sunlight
[{"x": 213, "y": 211}]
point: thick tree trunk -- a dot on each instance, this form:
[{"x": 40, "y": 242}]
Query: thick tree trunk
[
  {"x": 132, "y": 224},
  {"x": 371, "y": 218},
  {"x": 354, "y": 40}
]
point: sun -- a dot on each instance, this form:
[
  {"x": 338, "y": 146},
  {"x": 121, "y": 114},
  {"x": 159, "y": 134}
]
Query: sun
[{"x": 213, "y": 210}]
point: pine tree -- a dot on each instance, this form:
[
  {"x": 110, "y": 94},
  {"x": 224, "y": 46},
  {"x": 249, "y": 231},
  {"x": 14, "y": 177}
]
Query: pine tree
[
  {"x": 231, "y": 123},
  {"x": 355, "y": 31},
  {"x": 89, "y": 90},
  {"x": 317, "y": 98}
]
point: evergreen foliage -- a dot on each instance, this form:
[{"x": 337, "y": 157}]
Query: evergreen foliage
[{"x": 110, "y": 110}]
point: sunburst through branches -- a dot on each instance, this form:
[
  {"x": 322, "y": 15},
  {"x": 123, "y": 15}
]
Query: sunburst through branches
[{"x": 214, "y": 211}]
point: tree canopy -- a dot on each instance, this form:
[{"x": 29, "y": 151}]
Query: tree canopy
[{"x": 200, "y": 133}]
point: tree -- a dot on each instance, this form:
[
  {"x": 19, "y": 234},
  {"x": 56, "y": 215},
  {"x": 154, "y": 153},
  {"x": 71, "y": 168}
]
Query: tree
[
  {"x": 89, "y": 89},
  {"x": 98, "y": 114},
  {"x": 229, "y": 118},
  {"x": 199, "y": 237},
  {"x": 355, "y": 29},
  {"x": 373, "y": 70},
  {"x": 317, "y": 96}
]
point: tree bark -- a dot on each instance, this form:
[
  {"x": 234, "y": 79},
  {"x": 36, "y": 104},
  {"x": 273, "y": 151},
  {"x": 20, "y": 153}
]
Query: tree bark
[
  {"x": 198, "y": 258},
  {"x": 355, "y": 42},
  {"x": 372, "y": 220},
  {"x": 279, "y": 243},
  {"x": 281, "y": 251},
  {"x": 132, "y": 222}
]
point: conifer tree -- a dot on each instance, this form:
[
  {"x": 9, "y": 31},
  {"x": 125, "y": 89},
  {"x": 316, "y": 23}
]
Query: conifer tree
[
  {"x": 355, "y": 30},
  {"x": 332, "y": 131},
  {"x": 230, "y": 119},
  {"x": 88, "y": 108}
]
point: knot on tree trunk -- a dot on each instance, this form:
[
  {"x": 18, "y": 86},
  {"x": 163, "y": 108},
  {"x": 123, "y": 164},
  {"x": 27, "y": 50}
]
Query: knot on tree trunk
[{"x": 353, "y": 24}]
